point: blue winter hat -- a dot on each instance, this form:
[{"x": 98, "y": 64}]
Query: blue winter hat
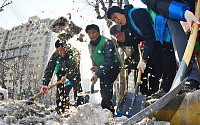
[
  {"x": 114, "y": 9},
  {"x": 92, "y": 26}
]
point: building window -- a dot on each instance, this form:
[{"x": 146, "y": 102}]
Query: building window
[
  {"x": 20, "y": 31},
  {"x": 35, "y": 45},
  {"x": 40, "y": 44},
  {"x": 22, "y": 27},
  {"x": 47, "y": 46},
  {"x": 29, "y": 40},
  {"x": 45, "y": 59},
  {"x": 16, "y": 52},
  {"x": 10, "y": 53},
  {"x": 31, "y": 65},
  {"x": 30, "y": 34},
  {"x": 14, "y": 38},
  {"x": 33, "y": 51},
  {"x": 16, "y": 28},
  {"x": 45, "y": 52},
  {"x": 24, "y": 51},
  {"x": 36, "y": 39}
]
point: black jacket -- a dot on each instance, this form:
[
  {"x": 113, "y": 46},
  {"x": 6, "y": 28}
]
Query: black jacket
[
  {"x": 131, "y": 40},
  {"x": 70, "y": 71},
  {"x": 143, "y": 21},
  {"x": 162, "y": 6}
]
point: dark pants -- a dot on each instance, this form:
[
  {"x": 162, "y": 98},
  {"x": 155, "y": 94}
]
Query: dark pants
[
  {"x": 179, "y": 40},
  {"x": 106, "y": 86},
  {"x": 169, "y": 66},
  {"x": 62, "y": 93},
  {"x": 153, "y": 72}
]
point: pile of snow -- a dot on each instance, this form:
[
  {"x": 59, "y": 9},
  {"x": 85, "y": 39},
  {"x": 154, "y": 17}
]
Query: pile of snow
[
  {"x": 89, "y": 114},
  {"x": 19, "y": 113}
]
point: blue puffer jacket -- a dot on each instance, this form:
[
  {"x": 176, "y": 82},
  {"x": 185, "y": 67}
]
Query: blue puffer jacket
[{"x": 171, "y": 8}]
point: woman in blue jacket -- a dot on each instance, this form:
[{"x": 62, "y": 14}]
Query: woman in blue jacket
[{"x": 173, "y": 12}]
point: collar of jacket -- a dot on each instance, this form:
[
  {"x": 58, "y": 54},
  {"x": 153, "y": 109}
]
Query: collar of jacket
[{"x": 94, "y": 43}]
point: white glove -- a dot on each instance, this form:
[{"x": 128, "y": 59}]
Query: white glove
[
  {"x": 189, "y": 16},
  {"x": 141, "y": 65},
  {"x": 43, "y": 89},
  {"x": 94, "y": 79}
]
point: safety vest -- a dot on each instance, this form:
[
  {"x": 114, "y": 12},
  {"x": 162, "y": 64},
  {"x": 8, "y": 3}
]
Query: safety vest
[{"x": 97, "y": 54}]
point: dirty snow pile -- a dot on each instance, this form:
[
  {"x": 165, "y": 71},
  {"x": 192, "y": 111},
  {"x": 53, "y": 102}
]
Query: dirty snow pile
[
  {"x": 19, "y": 113},
  {"x": 89, "y": 114}
]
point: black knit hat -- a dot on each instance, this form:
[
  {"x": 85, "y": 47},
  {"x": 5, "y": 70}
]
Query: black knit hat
[
  {"x": 114, "y": 29},
  {"x": 58, "y": 44},
  {"x": 114, "y": 9},
  {"x": 92, "y": 26}
]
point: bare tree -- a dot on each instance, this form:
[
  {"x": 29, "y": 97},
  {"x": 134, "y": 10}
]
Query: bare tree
[
  {"x": 101, "y": 7},
  {"x": 3, "y": 71}
]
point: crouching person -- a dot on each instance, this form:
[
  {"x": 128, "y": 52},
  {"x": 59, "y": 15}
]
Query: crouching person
[
  {"x": 63, "y": 63},
  {"x": 105, "y": 64}
]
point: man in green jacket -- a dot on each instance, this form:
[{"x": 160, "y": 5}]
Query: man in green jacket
[
  {"x": 105, "y": 64},
  {"x": 64, "y": 62}
]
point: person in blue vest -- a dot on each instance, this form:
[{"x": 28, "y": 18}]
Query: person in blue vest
[
  {"x": 64, "y": 62},
  {"x": 106, "y": 64},
  {"x": 150, "y": 78},
  {"x": 163, "y": 54},
  {"x": 170, "y": 14},
  {"x": 140, "y": 23}
]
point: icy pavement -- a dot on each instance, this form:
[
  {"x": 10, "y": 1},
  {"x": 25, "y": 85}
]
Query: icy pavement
[{"x": 19, "y": 113}]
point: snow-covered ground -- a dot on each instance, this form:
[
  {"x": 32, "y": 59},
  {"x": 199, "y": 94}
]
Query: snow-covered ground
[{"x": 15, "y": 112}]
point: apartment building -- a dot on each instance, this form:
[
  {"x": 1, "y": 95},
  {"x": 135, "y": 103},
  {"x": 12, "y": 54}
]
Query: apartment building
[{"x": 25, "y": 50}]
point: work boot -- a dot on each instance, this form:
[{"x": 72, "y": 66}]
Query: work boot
[
  {"x": 58, "y": 110},
  {"x": 80, "y": 100},
  {"x": 67, "y": 104},
  {"x": 190, "y": 86}
]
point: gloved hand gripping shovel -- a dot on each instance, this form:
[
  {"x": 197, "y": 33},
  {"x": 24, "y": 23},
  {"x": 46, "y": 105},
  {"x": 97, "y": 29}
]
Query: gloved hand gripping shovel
[{"x": 31, "y": 100}]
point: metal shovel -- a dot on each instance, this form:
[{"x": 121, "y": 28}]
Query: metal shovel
[{"x": 132, "y": 103}]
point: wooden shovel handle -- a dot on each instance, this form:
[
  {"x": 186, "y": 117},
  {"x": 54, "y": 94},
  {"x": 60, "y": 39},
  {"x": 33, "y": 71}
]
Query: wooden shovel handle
[
  {"x": 140, "y": 71},
  {"x": 192, "y": 39},
  {"x": 51, "y": 86}
]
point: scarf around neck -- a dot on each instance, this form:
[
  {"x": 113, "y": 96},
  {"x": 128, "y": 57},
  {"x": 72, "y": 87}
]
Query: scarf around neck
[{"x": 94, "y": 43}]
